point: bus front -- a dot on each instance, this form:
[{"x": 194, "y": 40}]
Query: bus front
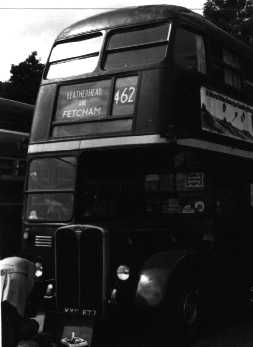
[{"x": 102, "y": 182}]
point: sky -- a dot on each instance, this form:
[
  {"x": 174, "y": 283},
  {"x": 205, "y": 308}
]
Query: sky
[{"x": 28, "y": 25}]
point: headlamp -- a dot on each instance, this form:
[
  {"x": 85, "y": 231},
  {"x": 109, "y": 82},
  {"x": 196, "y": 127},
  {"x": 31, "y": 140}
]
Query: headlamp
[
  {"x": 38, "y": 269},
  {"x": 123, "y": 272},
  {"x": 49, "y": 291}
]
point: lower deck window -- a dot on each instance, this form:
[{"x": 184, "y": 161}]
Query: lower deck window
[
  {"x": 137, "y": 188},
  {"x": 49, "y": 207}
]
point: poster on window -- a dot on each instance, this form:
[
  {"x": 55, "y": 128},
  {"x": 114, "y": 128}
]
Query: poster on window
[{"x": 225, "y": 116}]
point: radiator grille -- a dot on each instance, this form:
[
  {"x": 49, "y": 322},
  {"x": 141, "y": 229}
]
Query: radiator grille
[
  {"x": 79, "y": 268},
  {"x": 43, "y": 241}
]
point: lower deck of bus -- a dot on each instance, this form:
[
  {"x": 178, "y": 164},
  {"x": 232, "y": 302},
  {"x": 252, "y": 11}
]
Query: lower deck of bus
[{"x": 140, "y": 185}]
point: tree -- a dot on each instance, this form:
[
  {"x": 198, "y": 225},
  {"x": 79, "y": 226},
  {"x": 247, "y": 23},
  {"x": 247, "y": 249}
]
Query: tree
[
  {"x": 24, "y": 81},
  {"x": 234, "y": 16}
]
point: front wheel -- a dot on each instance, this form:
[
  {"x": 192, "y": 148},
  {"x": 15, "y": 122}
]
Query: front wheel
[
  {"x": 181, "y": 314},
  {"x": 188, "y": 309}
]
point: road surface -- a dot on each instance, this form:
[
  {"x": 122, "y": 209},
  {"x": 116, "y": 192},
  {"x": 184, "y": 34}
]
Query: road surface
[{"x": 236, "y": 334}]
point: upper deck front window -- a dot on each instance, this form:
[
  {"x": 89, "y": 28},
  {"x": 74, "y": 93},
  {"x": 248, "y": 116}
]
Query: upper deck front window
[
  {"x": 75, "y": 57},
  {"x": 136, "y": 47}
]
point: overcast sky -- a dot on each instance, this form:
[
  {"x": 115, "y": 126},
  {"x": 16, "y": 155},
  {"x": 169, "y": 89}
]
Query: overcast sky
[{"x": 29, "y": 25}]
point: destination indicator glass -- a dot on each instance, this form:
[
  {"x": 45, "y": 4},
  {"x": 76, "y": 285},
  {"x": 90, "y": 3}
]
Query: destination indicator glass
[{"x": 83, "y": 102}]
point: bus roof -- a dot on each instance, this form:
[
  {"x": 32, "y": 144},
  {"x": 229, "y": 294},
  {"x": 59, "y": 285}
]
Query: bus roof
[
  {"x": 130, "y": 16},
  {"x": 122, "y": 17}
]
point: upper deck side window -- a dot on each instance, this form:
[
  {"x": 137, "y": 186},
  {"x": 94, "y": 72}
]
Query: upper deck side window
[
  {"x": 189, "y": 50},
  {"x": 231, "y": 59},
  {"x": 225, "y": 65},
  {"x": 231, "y": 69},
  {"x": 75, "y": 57},
  {"x": 248, "y": 78},
  {"x": 137, "y": 47}
]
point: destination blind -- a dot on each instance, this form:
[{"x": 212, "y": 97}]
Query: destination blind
[
  {"x": 83, "y": 102},
  {"x": 93, "y": 101}
]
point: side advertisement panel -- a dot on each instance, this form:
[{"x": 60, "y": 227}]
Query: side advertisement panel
[{"x": 225, "y": 116}]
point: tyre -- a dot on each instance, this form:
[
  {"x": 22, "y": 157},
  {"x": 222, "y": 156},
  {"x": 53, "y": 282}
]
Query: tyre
[
  {"x": 188, "y": 309},
  {"x": 180, "y": 318}
]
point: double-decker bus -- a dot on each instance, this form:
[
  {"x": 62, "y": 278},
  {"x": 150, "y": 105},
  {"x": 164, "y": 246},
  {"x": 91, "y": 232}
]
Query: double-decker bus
[
  {"x": 15, "y": 123},
  {"x": 139, "y": 189}
]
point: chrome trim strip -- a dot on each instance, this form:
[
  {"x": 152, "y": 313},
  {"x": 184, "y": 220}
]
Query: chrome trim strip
[
  {"x": 12, "y": 132},
  {"x": 122, "y": 141},
  {"x": 169, "y": 31},
  {"x": 136, "y": 140},
  {"x": 215, "y": 147},
  {"x": 54, "y": 146},
  {"x": 96, "y": 143}
]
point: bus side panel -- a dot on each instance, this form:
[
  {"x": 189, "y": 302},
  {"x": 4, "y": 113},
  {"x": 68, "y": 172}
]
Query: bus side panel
[
  {"x": 43, "y": 113},
  {"x": 186, "y": 103},
  {"x": 151, "y": 106}
]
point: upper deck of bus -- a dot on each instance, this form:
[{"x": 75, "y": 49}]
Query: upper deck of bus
[
  {"x": 108, "y": 23},
  {"x": 153, "y": 111}
]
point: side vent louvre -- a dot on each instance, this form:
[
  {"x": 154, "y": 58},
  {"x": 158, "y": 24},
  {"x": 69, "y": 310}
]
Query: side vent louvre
[{"x": 43, "y": 241}]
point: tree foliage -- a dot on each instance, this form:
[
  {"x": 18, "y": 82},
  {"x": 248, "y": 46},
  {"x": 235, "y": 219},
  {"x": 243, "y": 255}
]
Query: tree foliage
[
  {"x": 24, "y": 81},
  {"x": 234, "y": 16}
]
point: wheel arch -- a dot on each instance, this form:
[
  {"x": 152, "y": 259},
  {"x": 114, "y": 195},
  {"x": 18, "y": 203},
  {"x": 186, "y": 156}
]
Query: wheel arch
[{"x": 163, "y": 269}]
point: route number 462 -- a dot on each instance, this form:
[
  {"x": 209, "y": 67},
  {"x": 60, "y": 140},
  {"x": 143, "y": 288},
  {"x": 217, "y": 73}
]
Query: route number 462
[{"x": 125, "y": 96}]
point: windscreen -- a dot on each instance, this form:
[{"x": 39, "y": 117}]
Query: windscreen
[{"x": 50, "y": 189}]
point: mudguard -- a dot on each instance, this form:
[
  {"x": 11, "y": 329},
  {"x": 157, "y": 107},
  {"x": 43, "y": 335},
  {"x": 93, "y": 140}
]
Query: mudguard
[{"x": 154, "y": 277}]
